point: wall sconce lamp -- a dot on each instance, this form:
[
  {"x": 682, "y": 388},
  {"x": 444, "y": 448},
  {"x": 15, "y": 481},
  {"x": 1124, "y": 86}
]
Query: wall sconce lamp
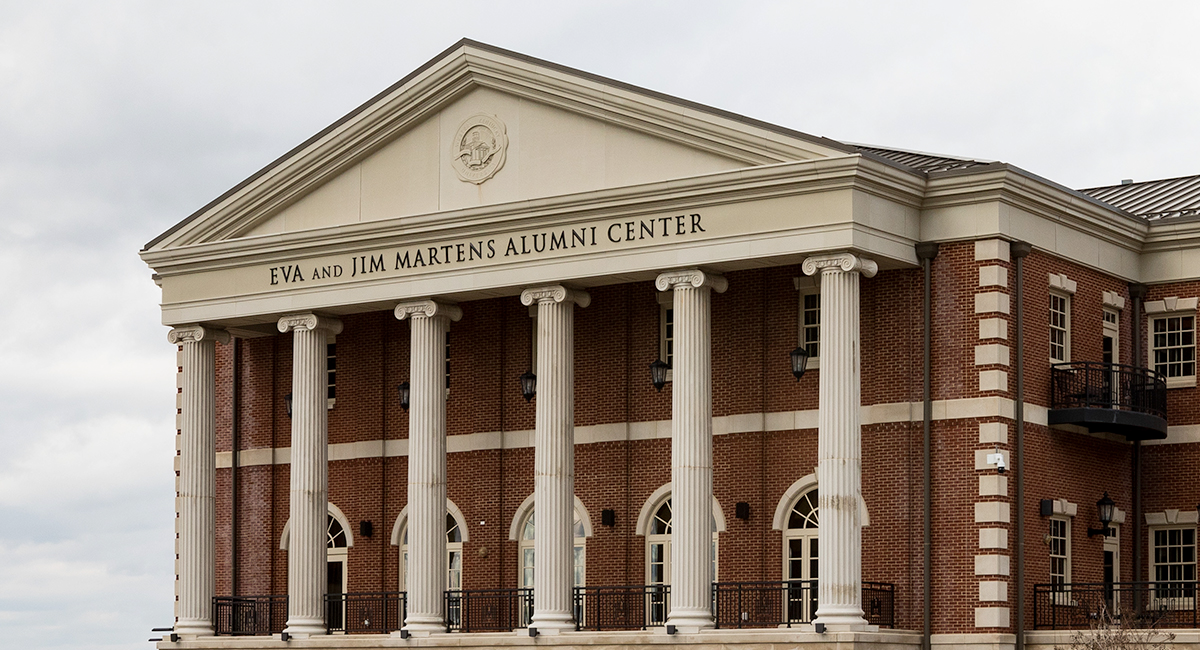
[
  {"x": 287, "y": 400},
  {"x": 528, "y": 385},
  {"x": 1105, "y": 509},
  {"x": 608, "y": 517},
  {"x": 799, "y": 362},
  {"x": 741, "y": 510},
  {"x": 405, "y": 395},
  {"x": 366, "y": 528},
  {"x": 658, "y": 374}
]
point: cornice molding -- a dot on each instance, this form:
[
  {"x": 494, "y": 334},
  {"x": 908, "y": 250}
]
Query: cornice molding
[
  {"x": 310, "y": 321},
  {"x": 428, "y": 308},
  {"x": 694, "y": 278},
  {"x": 196, "y": 334},
  {"x": 555, "y": 293},
  {"x": 840, "y": 263}
]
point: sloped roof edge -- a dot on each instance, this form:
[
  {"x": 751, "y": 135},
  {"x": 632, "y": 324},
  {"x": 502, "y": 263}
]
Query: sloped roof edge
[{"x": 466, "y": 42}]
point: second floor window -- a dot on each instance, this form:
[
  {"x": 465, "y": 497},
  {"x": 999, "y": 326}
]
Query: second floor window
[{"x": 1060, "y": 328}]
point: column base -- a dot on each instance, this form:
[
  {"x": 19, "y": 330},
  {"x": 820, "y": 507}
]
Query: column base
[
  {"x": 194, "y": 629},
  {"x": 849, "y": 619},
  {"x": 552, "y": 622},
  {"x": 302, "y": 628},
  {"x": 688, "y": 622},
  {"x": 424, "y": 625}
]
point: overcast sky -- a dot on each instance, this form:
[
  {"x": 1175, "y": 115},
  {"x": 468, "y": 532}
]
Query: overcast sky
[{"x": 118, "y": 119}]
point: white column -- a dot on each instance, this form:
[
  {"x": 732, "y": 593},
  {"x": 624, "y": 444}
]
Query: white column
[
  {"x": 691, "y": 447},
  {"x": 554, "y": 455},
  {"x": 839, "y": 441},
  {"x": 309, "y": 490},
  {"x": 197, "y": 478},
  {"x": 426, "y": 577}
]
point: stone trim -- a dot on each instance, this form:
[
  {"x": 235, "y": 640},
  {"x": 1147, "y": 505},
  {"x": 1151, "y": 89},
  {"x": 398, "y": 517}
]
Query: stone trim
[{"x": 1060, "y": 282}]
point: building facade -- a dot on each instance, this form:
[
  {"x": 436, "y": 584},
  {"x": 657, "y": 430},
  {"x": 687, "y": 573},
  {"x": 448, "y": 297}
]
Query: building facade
[{"x": 515, "y": 355}]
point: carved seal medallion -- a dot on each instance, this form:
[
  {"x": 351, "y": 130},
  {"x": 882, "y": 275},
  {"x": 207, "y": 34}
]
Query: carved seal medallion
[{"x": 477, "y": 151}]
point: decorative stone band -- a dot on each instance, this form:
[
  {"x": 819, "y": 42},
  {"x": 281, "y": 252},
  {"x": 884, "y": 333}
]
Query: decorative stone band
[
  {"x": 691, "y": 277},
  {"x": 555, "y": 293},
  {"x": 428, "y": 308},
  {"x": 310, "y": 322},
  {"x": 844, "y": 262},
  {"x": 195, "y": 334}
]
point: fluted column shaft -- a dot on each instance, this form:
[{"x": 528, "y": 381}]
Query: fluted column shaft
[
  {"x": 839, "y": 440},
  {"x": 309, "y": 488},
  {"x": 426, "y": 576},
  {"x": 197, "y": 478},
  {"x": 691, "y": 447},
  {"x": 554, "y": 455}
]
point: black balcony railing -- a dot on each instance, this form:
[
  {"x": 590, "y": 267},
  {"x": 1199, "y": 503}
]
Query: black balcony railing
[
  {"x": 1080, "y": 606},
  {"x": 1109, "y": 397},
  {"x": 366, "y": 613},
  {"x": 249, "y": 615},
  {"x": 488, "y": 610},
  {"x": 629, "y": 607},
  {"x": 792, "y": 602}
]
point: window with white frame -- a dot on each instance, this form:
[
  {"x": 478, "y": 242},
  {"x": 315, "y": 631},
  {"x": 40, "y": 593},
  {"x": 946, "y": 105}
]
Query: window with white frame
[
  {"x": 809, "y": 319},
  {"x": 666, "y": 331},
  {"x": 454, "y": 550},
  {"x": 527, "y": 557},
  {"x": 1060, "y": 327},
  {"x": 331, "y": 369},
  {"x": 1173, "y": 346},
  {"x": 1173, "y": 566},
  {"x": 1059, "y": 540}
]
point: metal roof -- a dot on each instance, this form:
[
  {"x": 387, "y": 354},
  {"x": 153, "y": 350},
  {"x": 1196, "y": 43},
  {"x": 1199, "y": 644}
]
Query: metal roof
[
  {"x": 1161, "y": 199},
  {"x": 923, "y": 162}
]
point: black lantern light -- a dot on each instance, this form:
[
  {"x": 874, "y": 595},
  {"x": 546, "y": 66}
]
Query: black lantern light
[
  {"x": 287, "y": 400},
  {"x": 405, "y": 395},
  {"x": 1106, "y": 508},
  {"x": 799, "y": 361},
  {"x": 658, "y": 374},
  {"x": 528, "y": 385}
]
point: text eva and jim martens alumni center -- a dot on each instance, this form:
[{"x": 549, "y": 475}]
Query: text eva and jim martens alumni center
[{"x": 518, "y": 355}]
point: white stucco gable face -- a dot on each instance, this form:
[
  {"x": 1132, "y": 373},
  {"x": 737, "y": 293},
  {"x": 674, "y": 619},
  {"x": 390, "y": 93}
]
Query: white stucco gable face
[{"x": 540, "y": 151}]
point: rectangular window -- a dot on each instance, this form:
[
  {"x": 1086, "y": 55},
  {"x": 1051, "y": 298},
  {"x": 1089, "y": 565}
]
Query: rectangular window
[
  {"x": 1173, "y": 346},
  {"x": 1174, "y": 567},
  {"x": 447, "y": 361},
  {"x": 331, "y": 370},
  {"x": 1060, "y": 328},
  {"x": 667, "y": 336},
  {"x": 810, "y": 324},
  {"x": 1060, "y": 557}
]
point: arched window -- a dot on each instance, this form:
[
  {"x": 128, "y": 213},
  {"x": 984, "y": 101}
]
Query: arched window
[
  {"x": 800, "y": 559},
  {"x": 658, "y": 545},
  {"x": 526, "y": 553},
  {"x": 454, "y": 547},
  {"x": 336, "y": 554}
]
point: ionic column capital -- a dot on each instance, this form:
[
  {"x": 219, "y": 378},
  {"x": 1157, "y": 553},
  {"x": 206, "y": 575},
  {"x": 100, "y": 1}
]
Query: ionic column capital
[
  {"x": 694, "y": 278},
  {"x": 428, "y": 308},
  {"x": 555, "y": 293},
  {"x": 840, "y": 262},
  {"x": 310, "y": 321},
  {"x": 195, "y": 334}
]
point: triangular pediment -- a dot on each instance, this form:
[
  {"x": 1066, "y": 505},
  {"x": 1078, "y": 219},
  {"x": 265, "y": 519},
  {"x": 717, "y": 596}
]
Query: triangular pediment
[{"x": 479, "y": 126}]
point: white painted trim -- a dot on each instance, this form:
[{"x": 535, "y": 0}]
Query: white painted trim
[
  {"x": 656, "y": 497},
  {"x": 1060, "y": 282},
  {"x": 451, "y": 509},
  {"x": 802, "y": 485},
  {"x": 1114, "y": 300},
  {"x": 1170, "y": 304},
  {"x": 897, "y": 412},
  {"x": 1171, "y": 517},
  {"x": 514, "y": 529},
  {"x": 337, "y": 514}
]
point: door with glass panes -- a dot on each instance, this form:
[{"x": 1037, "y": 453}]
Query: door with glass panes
[{"x": 801, "y": 560}]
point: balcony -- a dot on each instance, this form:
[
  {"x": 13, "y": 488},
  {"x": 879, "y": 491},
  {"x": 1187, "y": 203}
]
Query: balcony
[
  {"x": 736, "y": 605},
  {"x": 1141, "y": 605},
  {"x": 1109, "y": 397}
]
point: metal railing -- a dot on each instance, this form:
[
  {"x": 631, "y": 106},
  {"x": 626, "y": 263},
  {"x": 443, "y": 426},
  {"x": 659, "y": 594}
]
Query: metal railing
[
  {"x": 1078, "y": 606},
  {"x": 1092, "y": 384},
  {"x": 627, "y": 607},
  {"x": 791, "y": 602},
  {"x": 249, "y": 615},
  {"x": 488, "y": 610},
  {"x": 366, "y": 613}
]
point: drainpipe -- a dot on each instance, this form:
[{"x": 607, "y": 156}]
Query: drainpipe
[
  {"x": 1137, "y": 292},
  {"x": 233, "y": 474},
  {"x": 926, "y": 251},
  {"x": 1019, "y": 251}
]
